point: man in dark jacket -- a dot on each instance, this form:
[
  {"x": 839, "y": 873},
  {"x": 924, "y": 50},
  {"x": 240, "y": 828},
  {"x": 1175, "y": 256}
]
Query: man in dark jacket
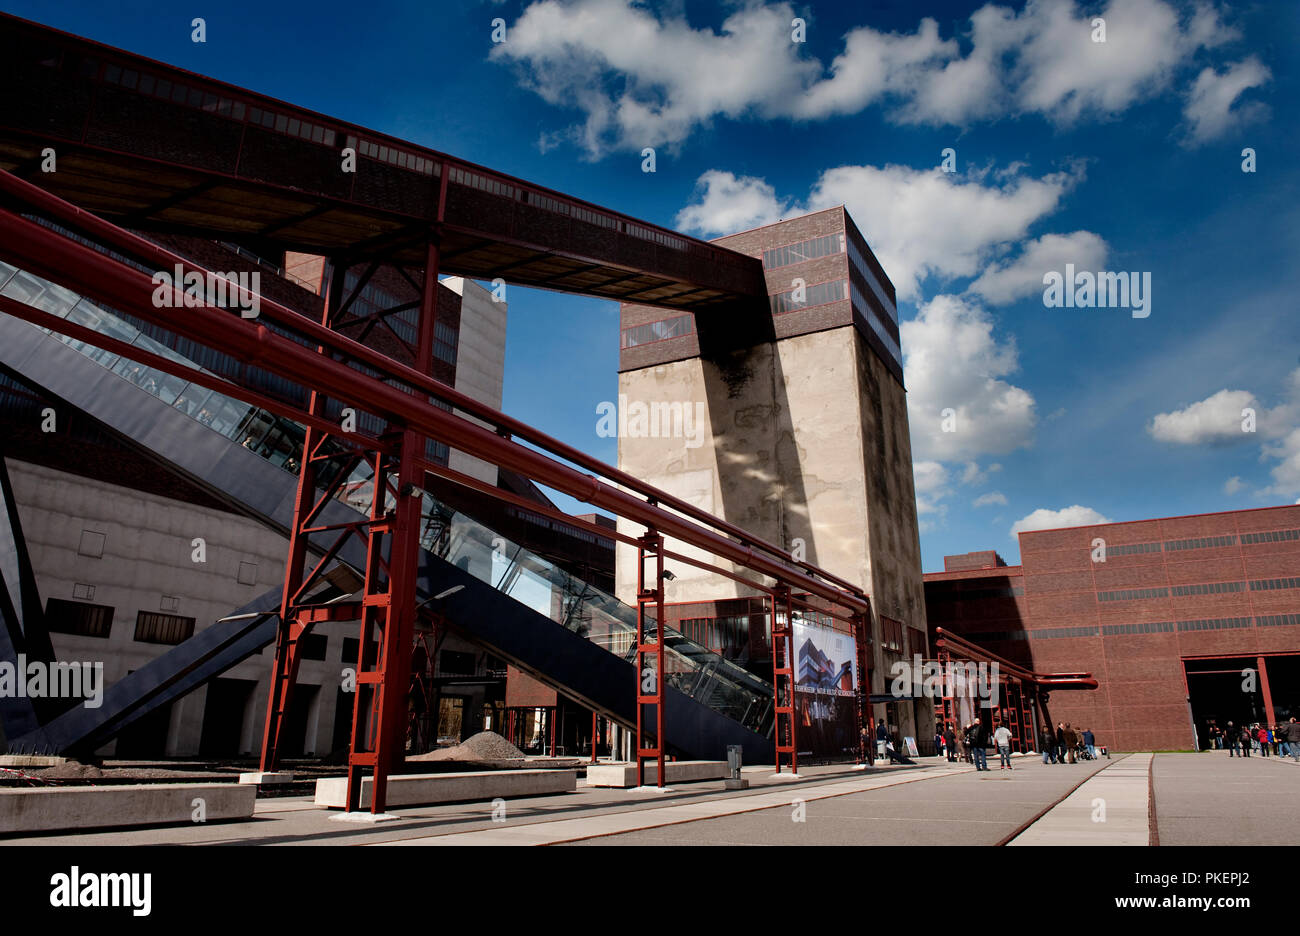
[
  {"x": 1231, "y": 738},
  {"x": 950, "y": 742},
  {"x": 976, "y": 740},
  {"x": 1245, "y": 741},
  {"x": 1060, "y": 742},
  {"x": 1292, "y": 729},
  {"x": 1048, "y": 744}
]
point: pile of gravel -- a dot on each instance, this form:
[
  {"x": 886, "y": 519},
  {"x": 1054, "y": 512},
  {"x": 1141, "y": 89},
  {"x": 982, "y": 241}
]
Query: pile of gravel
[{"x": 484, "y": 746}]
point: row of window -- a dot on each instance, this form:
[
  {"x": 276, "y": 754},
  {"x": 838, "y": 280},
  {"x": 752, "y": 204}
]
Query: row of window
[
  {"x": 394, "y": 156},
  {"x": 872, "y": 278},
  {"x": 1272, "y": 536},
  {"x": 82, "y": 619},
  {"x": 1213, "y": 588},
  {"x": 291, "y": 126},
  {"x": 677, "y": 327},
  {"x": 803, "y": 251},
  {"x": 872, "y": 318},
  {"x": 1132, "y": 549},
  {"x": 1200, "y": 542},
  {"x": 167, "y": 90},
  {"x": 815, "y": 295},
  {"x": 1132, "y": 594},
  {"x": 1274, "y": 584},
  {"x": 1145, "y": 627},
  {"x": 1183, "y": 591}
]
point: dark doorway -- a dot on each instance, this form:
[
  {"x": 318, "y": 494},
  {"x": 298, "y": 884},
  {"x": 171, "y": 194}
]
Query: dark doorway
[
  {"x": 1222, "y": 691},
  {"x": 223, "y": 717},
  {"x": 295, "y": 725}
]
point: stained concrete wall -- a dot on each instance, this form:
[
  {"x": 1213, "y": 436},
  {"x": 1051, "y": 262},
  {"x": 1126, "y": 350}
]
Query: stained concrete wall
[{"x": 480, "y": 361}]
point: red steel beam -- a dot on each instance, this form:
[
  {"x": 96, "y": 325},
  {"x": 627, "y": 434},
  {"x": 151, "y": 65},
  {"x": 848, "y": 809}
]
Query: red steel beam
[
  {"x": 143, "y": 249},
  {"x": 91, "y": 273}
]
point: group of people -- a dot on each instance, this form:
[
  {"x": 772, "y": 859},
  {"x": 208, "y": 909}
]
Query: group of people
[
  {"x": 972, "y": 742},
  {"x": 1067, "y": 744},
  {"x": 1282, "y": 740}
]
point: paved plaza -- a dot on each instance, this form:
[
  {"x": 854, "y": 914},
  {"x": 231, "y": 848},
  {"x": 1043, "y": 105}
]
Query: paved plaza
[{"x": 1199, "y": 799}]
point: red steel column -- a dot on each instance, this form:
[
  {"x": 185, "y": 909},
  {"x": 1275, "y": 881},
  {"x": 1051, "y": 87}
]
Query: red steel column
[
  {"x": 285, "y": 666},
  {"x": 1268, "y": 695},
  {"x": 650, "y": 678},
  {"x": 783, "y": 679}
]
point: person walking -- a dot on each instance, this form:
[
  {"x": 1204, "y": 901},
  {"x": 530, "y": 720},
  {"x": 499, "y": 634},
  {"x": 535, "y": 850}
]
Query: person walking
[
  {"x": 977, "y": 741},
  {"x": 1264, "y": 740},
  {"x": 1090, "y": 742},
  {"x": 1245, "y": 741},
  {"x": 882, "y": 737},
  {"x": 1002, "y": 738},
  {"x": 1060, "y": 742},
  {"x": 1047, "y": 741},
  {"x": 950, "y": 743},
  {"x": 1071, "y": 741},
  {"x": 1292, "y": 729},
  {"x": 938, "y": 742},
  {"x": 1230, "y": 739}
]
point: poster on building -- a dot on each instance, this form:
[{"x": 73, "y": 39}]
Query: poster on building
[{"x": 825, "y": 697}]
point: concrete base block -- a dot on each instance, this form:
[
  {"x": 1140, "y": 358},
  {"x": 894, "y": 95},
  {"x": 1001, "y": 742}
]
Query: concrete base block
[
  {"x": 740, "y": 783},
  {"x": 426, "y": 789},
  {"x": 30, "y": 760},
  {"x": 52, "y": 808},
  {"x": 624, "y": 774},
  {"x": 266, "y": 776}
]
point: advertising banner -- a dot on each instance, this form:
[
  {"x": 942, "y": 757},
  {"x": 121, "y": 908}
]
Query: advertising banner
[{"x": 826, "y": 678}]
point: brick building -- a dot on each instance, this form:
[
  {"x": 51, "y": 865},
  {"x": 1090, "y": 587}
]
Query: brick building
[{"x": 1183, "y": 620}]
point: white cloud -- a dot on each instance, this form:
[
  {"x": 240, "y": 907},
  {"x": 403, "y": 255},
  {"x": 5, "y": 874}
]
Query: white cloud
[
  {"x": 1233, "y": 485},
  {"x": 993, "y": 497},
  {"x": 1215, "y": 420},
  {"x": 1044, "y": 519},
  {"x": 931, "y": 481},
  {"x": 919, "y": 222},
  {"x": 1022, "y": 276},
  {"x": 953, "y": 361},
  {"x": 728, "y": 203},
  {"x": 643, "y": 79},
  {"x": 1209, "y": 108}
]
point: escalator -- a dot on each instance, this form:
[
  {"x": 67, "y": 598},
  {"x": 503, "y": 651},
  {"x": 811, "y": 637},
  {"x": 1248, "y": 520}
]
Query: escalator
[{"x": 525, "y": 609}]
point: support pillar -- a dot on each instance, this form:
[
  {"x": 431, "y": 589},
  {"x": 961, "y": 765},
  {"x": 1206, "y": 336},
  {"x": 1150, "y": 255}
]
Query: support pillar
[
  {"x": 785, "y": 733},
  {"x": 650, "y": 657}
]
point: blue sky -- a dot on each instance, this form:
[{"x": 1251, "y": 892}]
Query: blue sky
[{"x": 1118, "y": 156}]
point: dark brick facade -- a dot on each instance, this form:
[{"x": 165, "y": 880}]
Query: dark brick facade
[{"x": 1169, "y": 590}]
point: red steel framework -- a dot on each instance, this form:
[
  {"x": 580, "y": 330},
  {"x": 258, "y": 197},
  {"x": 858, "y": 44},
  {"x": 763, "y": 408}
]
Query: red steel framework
[
  {"x": 650, "y": 658},
  {"x": 400, "y": 395},
  {"x": 783, "y": 678}
]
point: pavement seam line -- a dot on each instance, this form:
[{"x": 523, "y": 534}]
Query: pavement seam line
[
  {"x": 1052, "y": 805},
  {"x": 903, "y": 778}
]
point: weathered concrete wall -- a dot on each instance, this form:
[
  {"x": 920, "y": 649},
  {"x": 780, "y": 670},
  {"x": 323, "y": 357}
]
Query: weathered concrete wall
[
  {"x": 480, "y": 361},
  {"x": 809, "y": 441}
]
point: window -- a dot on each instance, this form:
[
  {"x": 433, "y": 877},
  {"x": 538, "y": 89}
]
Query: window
[
  {"x": 1132, "y": 549},
  {"x": 78, "y": 618},
  {"x": 677, "y": 327},
  {"x": 1272, "y": 584},
  {"x": 1202, "y": 542},
  {"x": 891, "y": 634},
  {"x": 803, "y": 251},
  {"x": 815, "y": 295},
  {"x": 91, "y": 544},
  {"x": 313, "y": 646},
  {"x": 1272, "y": 536},
  {"x": 1133, "y": 594},
  {"x": 152, "y": 627}
]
